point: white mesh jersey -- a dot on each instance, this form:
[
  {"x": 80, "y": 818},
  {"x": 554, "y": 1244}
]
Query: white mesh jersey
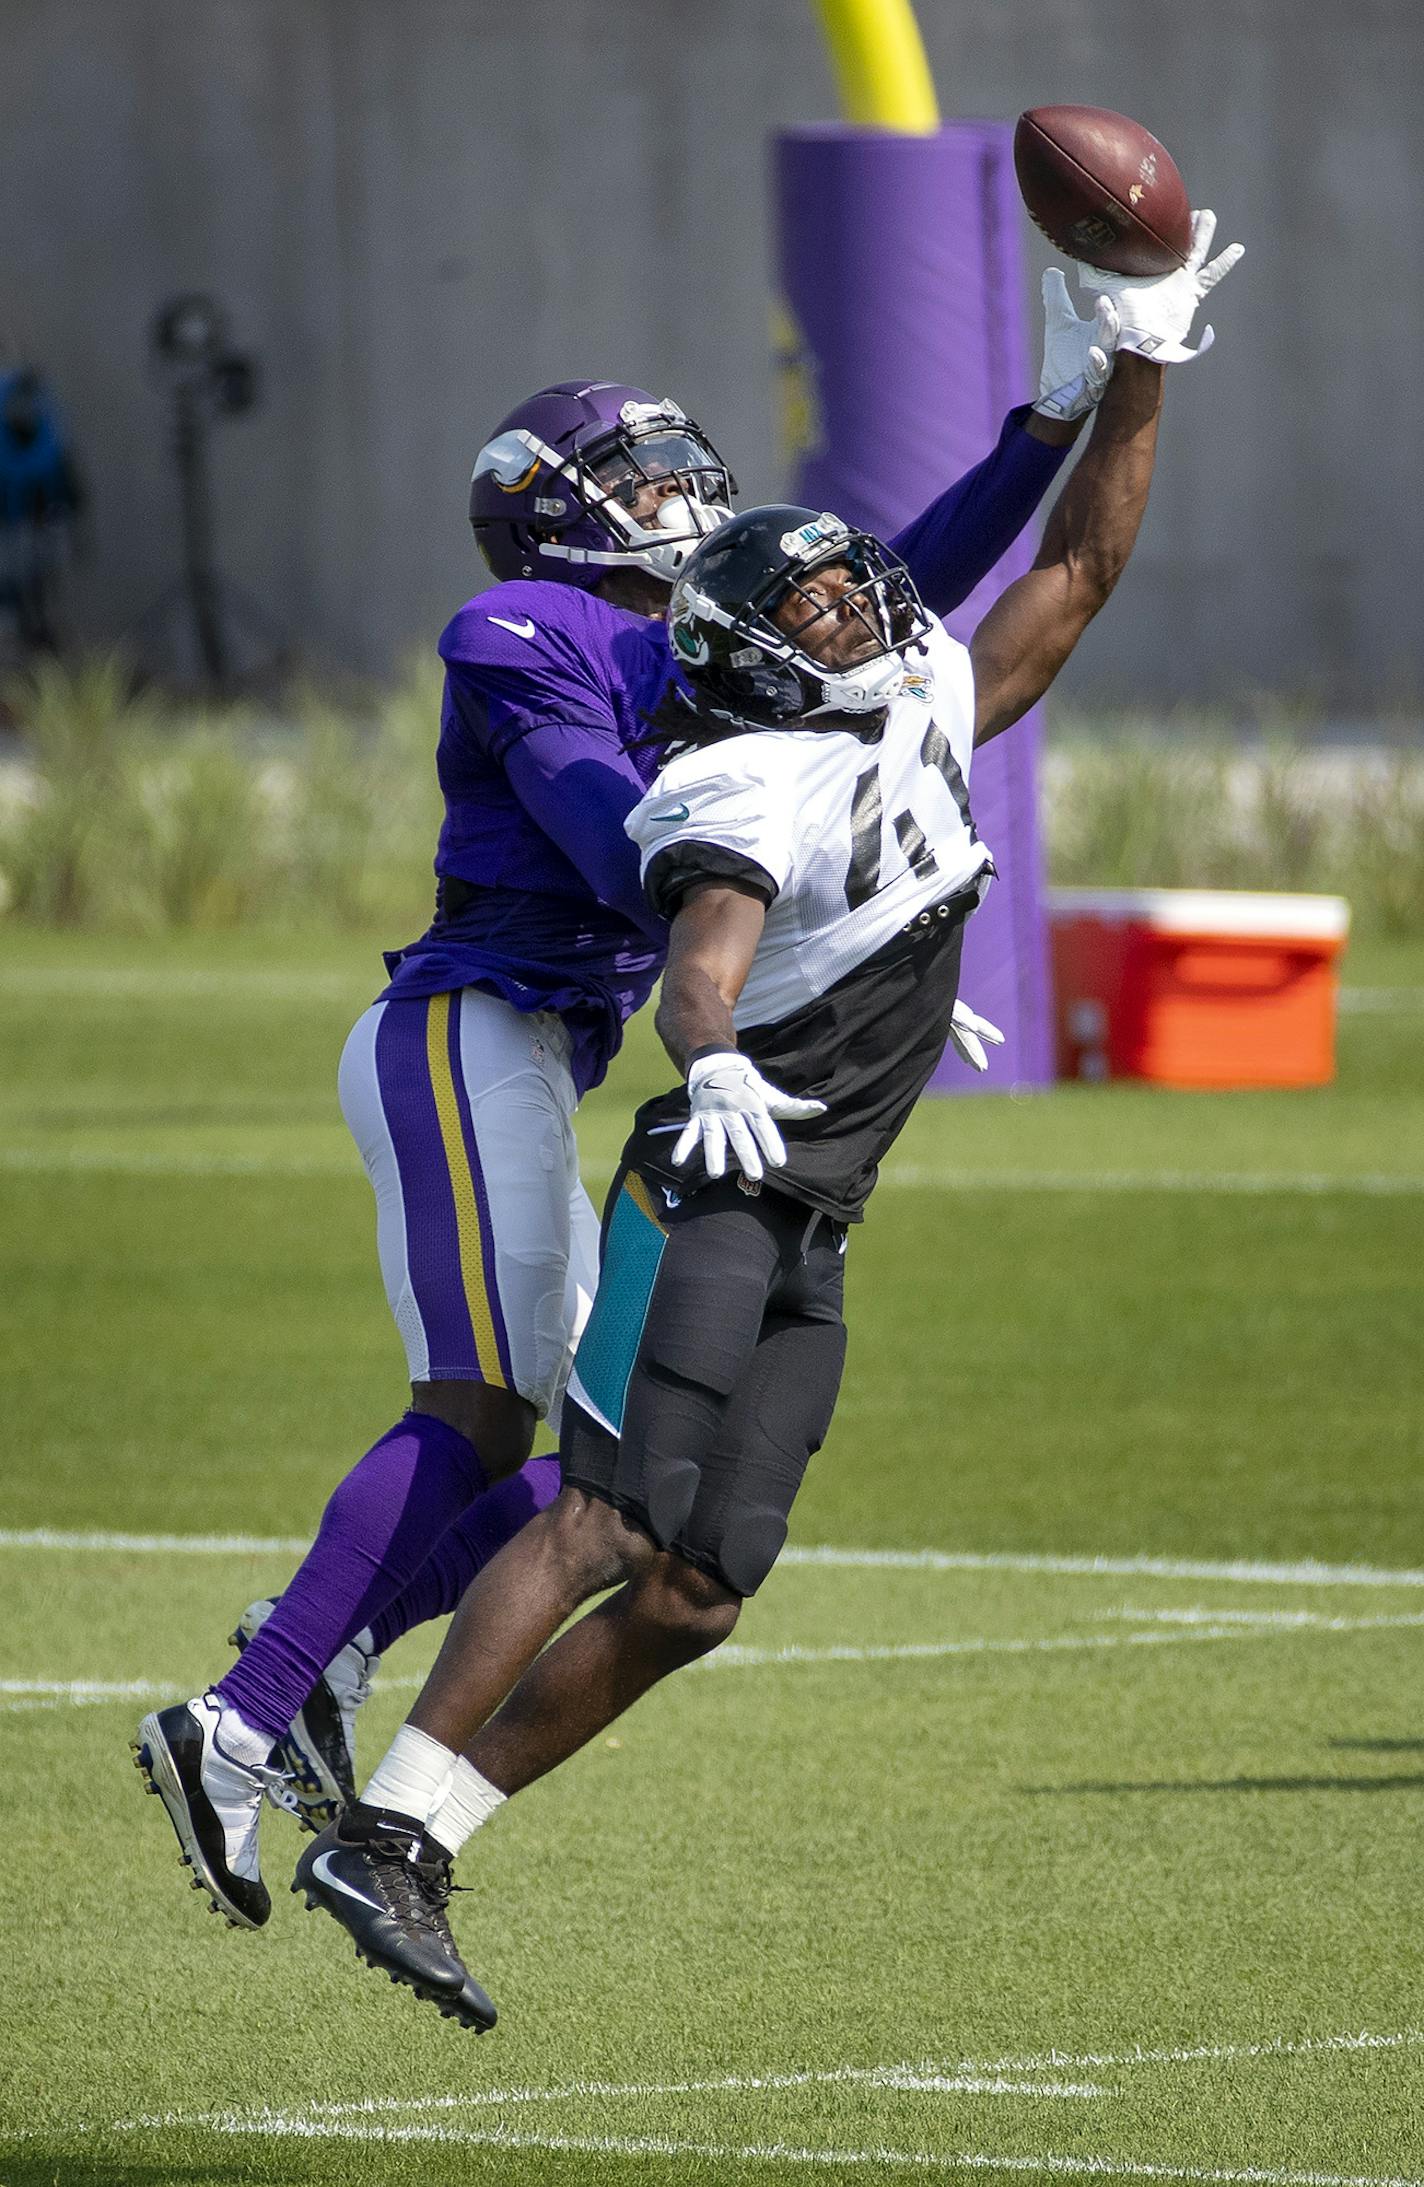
[{"x": 867, "y": 854}]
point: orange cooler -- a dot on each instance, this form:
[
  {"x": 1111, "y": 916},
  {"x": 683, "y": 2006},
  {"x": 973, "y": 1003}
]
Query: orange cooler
[{"x": 1196, "y": 987}]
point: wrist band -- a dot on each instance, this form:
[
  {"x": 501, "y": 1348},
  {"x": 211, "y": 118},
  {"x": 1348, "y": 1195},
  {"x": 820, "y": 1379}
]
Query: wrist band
[{"x": 711, "y": 1048}]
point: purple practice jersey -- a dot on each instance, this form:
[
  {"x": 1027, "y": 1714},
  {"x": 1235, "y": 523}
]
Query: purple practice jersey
[
  {"x": 544, "y": 751},
  {"x": 546, "y": 693}
]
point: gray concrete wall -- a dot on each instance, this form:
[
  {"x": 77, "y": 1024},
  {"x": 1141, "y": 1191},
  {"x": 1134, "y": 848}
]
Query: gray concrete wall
[{"x": 417, "y": 210}]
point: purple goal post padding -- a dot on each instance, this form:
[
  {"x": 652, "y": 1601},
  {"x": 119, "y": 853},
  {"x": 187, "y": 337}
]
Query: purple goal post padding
[{"x": 903, "y": 342}]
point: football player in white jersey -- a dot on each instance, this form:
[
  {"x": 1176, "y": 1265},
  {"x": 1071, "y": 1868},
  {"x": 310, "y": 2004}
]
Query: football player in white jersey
[{"x": 811, "y": 838}]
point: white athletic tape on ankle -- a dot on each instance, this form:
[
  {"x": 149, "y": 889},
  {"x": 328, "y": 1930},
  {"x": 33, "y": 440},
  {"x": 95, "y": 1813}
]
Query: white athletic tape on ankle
[
  {"x": 413, "y": 1776},
  {"x": 470, "y": 1800}
]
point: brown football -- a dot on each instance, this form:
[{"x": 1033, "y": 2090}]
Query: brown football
[{"x": 1102, "y": 189}]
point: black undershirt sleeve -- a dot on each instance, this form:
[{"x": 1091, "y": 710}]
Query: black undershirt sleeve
[{"x": 673, "y": 871}]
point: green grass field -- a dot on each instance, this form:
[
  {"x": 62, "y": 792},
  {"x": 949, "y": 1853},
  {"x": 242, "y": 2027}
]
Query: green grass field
[{"x": 1067, "y": 1824}]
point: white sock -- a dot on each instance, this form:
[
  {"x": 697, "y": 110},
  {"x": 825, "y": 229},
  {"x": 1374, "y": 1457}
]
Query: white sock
[
  {"x": 413, "y": 1777},
  {"x": 469, "y": 1800},
  {"x": 238, "y": 1740}
]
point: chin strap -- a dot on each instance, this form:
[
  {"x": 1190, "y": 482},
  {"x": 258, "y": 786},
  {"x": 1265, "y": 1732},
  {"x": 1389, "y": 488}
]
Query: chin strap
[
  {"x": 857, "y": 695},
  {"x": 649, "y": 548}
]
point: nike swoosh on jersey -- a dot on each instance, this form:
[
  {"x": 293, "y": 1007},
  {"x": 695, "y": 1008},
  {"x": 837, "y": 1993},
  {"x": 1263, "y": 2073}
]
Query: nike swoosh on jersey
[
  {"x": 521, "y": 630},
  {"x": 321, "y": 1868},
  {"x": 666, "y": 820}
]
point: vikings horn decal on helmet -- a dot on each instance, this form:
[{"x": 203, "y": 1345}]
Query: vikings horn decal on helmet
[
  {"x": 762, "y": 644},
  {"x": 554, "y": 491}
]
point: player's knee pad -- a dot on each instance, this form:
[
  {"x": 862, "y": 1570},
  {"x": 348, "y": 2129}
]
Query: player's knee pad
[
  {"x": 739, "y": 1534},
  {"x": 803, "y": 1415},
  {"x": 670, "y": 1424},
  {"x": 669, "y": 1487},
  {"x": 671, "y": 1446},
  {"x": 742, "y": 1547}
]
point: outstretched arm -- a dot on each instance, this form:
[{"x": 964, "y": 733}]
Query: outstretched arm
[
  {"x": 954, "y": 543},
  {"x": 1026, "y": 637},
  {"x": 1030, "y": 631}
]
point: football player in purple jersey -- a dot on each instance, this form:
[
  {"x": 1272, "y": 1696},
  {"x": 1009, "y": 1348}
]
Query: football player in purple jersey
[{"x": 460, "y": 1082}]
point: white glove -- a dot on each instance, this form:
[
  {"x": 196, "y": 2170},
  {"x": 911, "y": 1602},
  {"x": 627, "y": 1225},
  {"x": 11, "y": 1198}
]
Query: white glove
[
  {"x": 1077, "y": 353},
  {"x": 733, "y": 1105},
  {"x": 969, "y": 1032},
  {"x": 1156, "y": 316}
]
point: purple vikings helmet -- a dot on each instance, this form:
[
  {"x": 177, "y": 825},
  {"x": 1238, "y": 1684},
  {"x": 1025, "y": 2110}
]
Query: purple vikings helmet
[{"x": 552, "y": 492}]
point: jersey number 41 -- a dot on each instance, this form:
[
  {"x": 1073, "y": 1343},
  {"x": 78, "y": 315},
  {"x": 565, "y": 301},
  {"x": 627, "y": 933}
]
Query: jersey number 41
[{"x": 867, "y": 812}]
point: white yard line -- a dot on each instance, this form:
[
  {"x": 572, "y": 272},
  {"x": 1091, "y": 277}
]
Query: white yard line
[
  {"x": 1276, "y": 2046},
  {"x": 1163, "y": 1627},
  {"x": 1253, "y": 1183},
  {"x": 178, "y": 983},
  {"x": 899, "y": 2079},
  {"x": 1199, "y": 1615},
  {"x": 100, "y": 1689},
  {"x": 731, "y": 1657},
  {"x": 1306, "y": 1572},
  {"x": 281, "y": 983},
  {"x": 159, "y": 1162},
  {"x": 136, "y": 1162},
  {"x": 938, "y": 2076},
  {"x": 734, "y": 1658},
  {"x": 156, "y": 1545},
  {"x": 387, "y": 2120},
  {"x": 23, "y": 1696},
  {"x": 977, "y": 2076},
  {"x": 278, "y": 2124},
  {"x": 28, "y": 1693}
]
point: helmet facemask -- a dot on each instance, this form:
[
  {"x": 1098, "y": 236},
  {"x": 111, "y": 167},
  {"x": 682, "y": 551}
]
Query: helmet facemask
[
  {"x": 841, "y": 663},
  {"x": 606, "y": 476}
]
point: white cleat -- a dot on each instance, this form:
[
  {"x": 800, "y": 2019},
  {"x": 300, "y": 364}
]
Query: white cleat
[
  {"x": 317, "y": 1758},
  {"x": 214, "y": 1803}
]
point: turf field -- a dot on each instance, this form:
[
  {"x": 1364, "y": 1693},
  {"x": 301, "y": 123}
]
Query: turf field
[{"x": 1056, "y": 1812}]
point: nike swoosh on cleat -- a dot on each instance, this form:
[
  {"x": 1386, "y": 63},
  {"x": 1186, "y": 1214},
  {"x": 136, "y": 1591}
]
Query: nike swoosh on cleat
[
  {"x": 321, "y": 1869},
  {"x": 521, "y": 630}
]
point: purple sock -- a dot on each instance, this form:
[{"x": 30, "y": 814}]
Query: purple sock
[
  {"x": 378, "y": 1529},
  {"x": 464, "y": 1548}
]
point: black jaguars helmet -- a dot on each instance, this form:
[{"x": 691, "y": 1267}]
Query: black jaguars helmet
[{"x": 758, "y": 572}]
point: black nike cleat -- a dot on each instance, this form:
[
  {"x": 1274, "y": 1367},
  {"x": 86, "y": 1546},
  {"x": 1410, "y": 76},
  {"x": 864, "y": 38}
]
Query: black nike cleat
[
  {"x": 472, "y": 2008},
  {"x": 213, "y": 1803},
  {"x": 376, "y": 1874},
  {"x": 318, "y": 1754}
]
